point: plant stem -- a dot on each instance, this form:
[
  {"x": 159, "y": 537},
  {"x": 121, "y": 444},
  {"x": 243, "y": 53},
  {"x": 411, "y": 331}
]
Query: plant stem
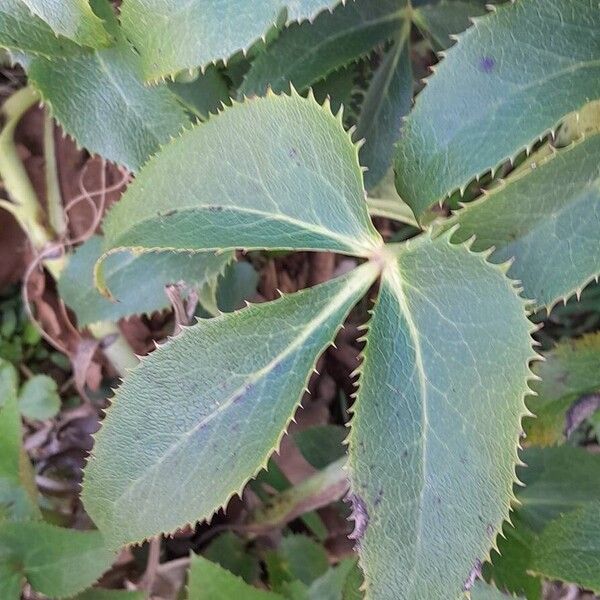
[
  {"x": 56, "y": 215},
  {"x": 117, "y": 350},
  {"x": 26, "y": 209},
  {"x": 392, "y": 208}
]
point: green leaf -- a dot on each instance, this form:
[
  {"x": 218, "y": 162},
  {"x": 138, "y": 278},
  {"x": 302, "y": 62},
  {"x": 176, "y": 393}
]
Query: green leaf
[
  {"x": 102, "y": 594},
  {"x": 484, "y": 103},
  {"x": 9, "y": 381},
  {"x": 569, "y": 548},
  {"x": 98, "y": 99},
  {"x": 557, "y": 481},
  {"x": 442, "y": 20},
  {"x": 236, "y": 180},
  {"x": 208, "y": 581},
  {"x": 548, "y": 220},
  {"x": 18, "y": 494},
  {"x": 220, "y": 395},
  {"x": 74, "y": 19},
  {"x": 448, "y": 346},
  {"x": 321, "y": 445},
  {"x": 22, "y": 31},
  {"x": 297, "y": 558},
  {"x": 172, "y": 37},
  {"x": 204, "y": 94},
  {"x": 383, "y": 201},
  {"x": 338, "y": 87},
  {"x": 39, "y": 399},
  {"x": 56, "y": 562},
  {"x": 307, "y": 52},
  {"x": 388, "y": 100},
  {"x": 230, "y": 552},
  {"x": 237, "y": 284},
  {"x": 510, "y": 563},
  {"x": 483, "y": 591},
  {"x": 330, "y": 585},
  {"x": 137, "y": 282},
  {"x": 569, "y": 371}
]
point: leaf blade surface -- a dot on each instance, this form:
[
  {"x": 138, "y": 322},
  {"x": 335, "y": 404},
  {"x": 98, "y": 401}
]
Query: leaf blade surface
[
  {"x": 172, "y": 37},
  {"x": 548, "y": 220},
  {"x": 275, "y": 172},
  {"x": 157, "y": 465},
  {"x": 440, "y": 358},
  {"x": 517, "y": 82}
]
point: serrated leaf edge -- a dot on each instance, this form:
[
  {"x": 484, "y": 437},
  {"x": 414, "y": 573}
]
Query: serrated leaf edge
[
  {"x": 155, "y": 79},
  {"x": 498, "y": 186},
  {"x": 535, "y": 356},
  {"x": 371, "y": 271},
  {"x": 365, "y": 252},
  {"x": 510, "y": 158}
]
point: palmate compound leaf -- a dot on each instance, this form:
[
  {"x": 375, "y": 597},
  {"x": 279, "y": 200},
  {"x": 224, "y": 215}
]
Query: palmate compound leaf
[
  {"x": 99, "y": 99},
  {"x": 518, "y": 70},
  {"x": 306, "y": 52},
  {"x": 171, "y": 36},
  {"x": 547, "y": 219},
  {"x": 56, "y": 562},
  {"x": 433, "y": 442},
  {"x": 277, "y": 172},
  {"x": 73, "y": 19},
  {"x": 127, "y": 276},
  {"x": 203, "y": 413}
]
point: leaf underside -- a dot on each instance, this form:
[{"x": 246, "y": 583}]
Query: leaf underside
[
  {"x": 443, "y": 381},
  {"x": 548, "y": 220},
  {"x": 520, "y": 70},
  {"x": 172, "y": 37},
  {"x": 276, "y": 172},
  {"x": 203, "y": 413},
  {"x": 98, "y": 98},
  {"x": 127, "y": 277}
]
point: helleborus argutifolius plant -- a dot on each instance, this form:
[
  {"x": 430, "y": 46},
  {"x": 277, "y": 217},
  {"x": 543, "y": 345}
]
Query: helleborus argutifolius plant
[{"x": 448, "y": 344}]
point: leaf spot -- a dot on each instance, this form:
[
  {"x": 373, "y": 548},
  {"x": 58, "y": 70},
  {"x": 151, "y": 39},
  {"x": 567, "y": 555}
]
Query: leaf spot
[
  {"x": 360, "y": 516},
  {"x": 487, "y": 64},
  {"x": 473, "y": 575}
]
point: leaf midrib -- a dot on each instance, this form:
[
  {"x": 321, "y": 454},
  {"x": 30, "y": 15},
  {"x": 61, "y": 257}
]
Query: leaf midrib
[
  {"x": 356, "y": 247},
  {"x": 541, "y": 218},
  {"x": 353, "y": 285},
  {"x": 442, "y": 148},
  {"x": 315, "y": 49},
  {"x": 394, "y": 278}
]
